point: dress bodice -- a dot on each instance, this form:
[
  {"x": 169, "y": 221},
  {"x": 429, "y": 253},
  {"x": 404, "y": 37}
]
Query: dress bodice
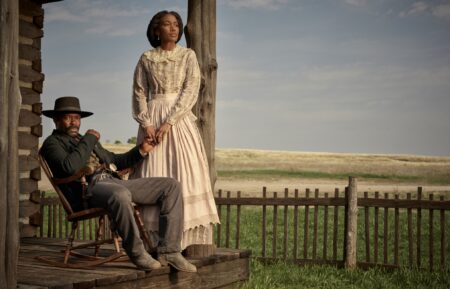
[{"x": 160, "y": 72}]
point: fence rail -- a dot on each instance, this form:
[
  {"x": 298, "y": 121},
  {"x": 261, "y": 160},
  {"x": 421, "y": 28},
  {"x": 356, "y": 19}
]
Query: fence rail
[{"x": 315, "y": 228}]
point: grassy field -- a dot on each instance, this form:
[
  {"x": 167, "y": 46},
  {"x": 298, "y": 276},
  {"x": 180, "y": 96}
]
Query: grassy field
[
  {"x": 393, "y": 168},
  {"x": 249, "y": 170},
  {"x": 286, "y": 276},
  {"x": 259, "y": 164}
]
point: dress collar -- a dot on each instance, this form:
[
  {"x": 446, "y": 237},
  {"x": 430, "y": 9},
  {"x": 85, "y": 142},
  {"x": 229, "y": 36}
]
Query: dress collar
[{"x": 160, "y": 55}]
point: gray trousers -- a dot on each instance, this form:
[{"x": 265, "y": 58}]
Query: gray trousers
[{"x": 116, "y": 195}]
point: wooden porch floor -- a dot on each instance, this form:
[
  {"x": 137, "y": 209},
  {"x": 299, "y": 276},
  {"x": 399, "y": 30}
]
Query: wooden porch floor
[{"x": 226, "y": 269}]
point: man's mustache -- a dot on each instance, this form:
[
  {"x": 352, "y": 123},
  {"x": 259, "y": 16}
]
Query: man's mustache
[{"x": 72, "y": 127}]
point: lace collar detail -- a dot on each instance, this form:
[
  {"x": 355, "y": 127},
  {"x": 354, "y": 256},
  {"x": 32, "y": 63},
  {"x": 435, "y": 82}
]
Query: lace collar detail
[{"x": 160, "y": 55}]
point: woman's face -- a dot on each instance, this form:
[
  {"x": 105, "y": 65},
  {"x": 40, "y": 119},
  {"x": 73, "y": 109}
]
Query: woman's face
[{"x": 168, "y": 29}]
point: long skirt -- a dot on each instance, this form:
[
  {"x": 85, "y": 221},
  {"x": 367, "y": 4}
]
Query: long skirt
[{"x": 180, "y": 155}]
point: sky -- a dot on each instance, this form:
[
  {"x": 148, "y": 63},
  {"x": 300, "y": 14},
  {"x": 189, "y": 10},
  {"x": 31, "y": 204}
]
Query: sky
[{"x": 350, "y": 76}]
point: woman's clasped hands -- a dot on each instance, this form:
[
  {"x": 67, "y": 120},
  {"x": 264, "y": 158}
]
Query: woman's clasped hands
[{"x": 155, "y": 136}]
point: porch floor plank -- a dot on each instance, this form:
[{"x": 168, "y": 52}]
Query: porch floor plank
[{"x": 225, "y": 269}]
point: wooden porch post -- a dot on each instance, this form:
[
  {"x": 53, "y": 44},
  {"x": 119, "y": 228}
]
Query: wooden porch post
[
  {"x": 200, "y": 34},
  {"x": 352, "y": 223},
  {"x": 10, "y": 101}
]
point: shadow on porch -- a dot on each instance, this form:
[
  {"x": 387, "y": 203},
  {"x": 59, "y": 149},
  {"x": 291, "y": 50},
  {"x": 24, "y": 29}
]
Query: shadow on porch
[{"x": 226, "y": 269}]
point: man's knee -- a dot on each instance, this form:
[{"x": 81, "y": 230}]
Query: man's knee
[
  {"x": 175, "y": 186},
  {"x": 121, "y": 196},
  {"x": 172, "y": 199},
  {"x": 172, "y": 190}
]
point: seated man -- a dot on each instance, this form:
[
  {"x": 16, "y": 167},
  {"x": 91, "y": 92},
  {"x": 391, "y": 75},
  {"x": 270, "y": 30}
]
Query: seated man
[{"x": 67, "y": 152}]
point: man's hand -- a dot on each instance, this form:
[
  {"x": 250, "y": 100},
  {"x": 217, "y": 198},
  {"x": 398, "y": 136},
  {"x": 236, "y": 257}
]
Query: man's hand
[
  {"x": 146, "y": 146},
  {"x": 162, "y": 131},
  {"x": 93, "y": 132}
]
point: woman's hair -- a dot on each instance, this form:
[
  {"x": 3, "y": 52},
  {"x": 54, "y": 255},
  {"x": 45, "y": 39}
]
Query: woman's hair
[{"x": 154, "y": 24}]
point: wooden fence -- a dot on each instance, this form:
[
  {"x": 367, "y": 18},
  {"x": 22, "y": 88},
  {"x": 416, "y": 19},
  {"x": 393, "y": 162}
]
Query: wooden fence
[
  {"x": 54, "y": 222},
  {"x": 315, "y": 228}
]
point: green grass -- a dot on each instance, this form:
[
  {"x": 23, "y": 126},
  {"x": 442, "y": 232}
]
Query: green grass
[
  {"x": 251, "y": 232},
  {"x": 283, "y": 275}
]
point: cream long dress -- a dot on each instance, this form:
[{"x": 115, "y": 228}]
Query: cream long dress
[{"x": 165, "y": 88}]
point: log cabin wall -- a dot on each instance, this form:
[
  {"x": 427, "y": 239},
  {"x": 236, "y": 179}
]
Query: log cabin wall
[{"x": 31, "y": 78}]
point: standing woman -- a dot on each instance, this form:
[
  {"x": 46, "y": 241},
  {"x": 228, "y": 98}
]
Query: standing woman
[{"x": 165, "y": 88}]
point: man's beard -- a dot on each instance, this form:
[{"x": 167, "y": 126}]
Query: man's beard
[{"x": 69, "y": 130}]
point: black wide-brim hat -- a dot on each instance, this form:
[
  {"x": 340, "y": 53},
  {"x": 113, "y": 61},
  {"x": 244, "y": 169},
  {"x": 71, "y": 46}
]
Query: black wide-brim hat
[{"x": 66, "y": 104}]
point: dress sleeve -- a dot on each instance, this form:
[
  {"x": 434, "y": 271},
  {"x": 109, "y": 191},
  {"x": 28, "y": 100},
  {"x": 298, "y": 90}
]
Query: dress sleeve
[
  {"x": 189, "y": 93},
  {"x": 140, "y": 95}
]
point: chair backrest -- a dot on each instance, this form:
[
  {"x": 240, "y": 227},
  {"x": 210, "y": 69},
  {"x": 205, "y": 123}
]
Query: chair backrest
[{"x": 49, "y": 174}]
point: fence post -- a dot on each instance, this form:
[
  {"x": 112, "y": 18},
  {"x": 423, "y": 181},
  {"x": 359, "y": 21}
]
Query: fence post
[{"x": 352, "y": 221}]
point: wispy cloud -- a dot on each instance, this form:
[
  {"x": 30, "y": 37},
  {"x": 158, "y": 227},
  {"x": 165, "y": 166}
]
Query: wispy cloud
[
  {"x": 356, "y": 2},
  {"x": 416, "y": 8},
  {"x": 60, "y": 13},
  {"x": 441, "y": 11},
  {"x": 367, "y": 84},
  {"x": 80, "y": 11},
  {"x": 256, "y": 4},
  {"x": 108, "y": 28},
  {"x": 109, "y": 12},
  {"x": 99, "y": 17}
]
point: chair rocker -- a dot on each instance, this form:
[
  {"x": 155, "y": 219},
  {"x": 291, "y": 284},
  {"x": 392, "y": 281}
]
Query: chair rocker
[{"x": 74, "y": 218}]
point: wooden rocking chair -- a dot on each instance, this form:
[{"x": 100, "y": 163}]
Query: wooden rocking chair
[{"x": 74, "y": 218}]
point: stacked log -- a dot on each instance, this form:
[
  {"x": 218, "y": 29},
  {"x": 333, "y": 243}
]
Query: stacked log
[{"x": 31, "y": 78}]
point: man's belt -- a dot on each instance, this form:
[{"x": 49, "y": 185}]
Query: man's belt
[
  {"x": 110, "y": 169},
  {"x": 86, "y": 174}
]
